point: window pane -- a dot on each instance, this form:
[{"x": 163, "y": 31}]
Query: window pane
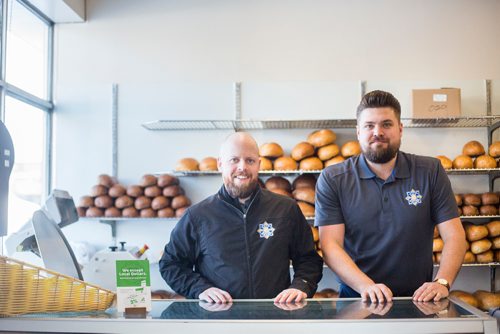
[
  {"x": 26, "y": 125},
  {"x": 27, "y": 41}
]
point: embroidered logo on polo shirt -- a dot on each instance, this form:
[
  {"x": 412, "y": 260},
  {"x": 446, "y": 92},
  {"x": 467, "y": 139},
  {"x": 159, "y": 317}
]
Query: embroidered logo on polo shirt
[
  {"x": 266, "y": 230},
  {"x": 413, "y": 197}
]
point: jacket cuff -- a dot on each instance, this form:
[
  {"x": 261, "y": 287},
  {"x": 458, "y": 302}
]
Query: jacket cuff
[{"x": 303, "y": 285}]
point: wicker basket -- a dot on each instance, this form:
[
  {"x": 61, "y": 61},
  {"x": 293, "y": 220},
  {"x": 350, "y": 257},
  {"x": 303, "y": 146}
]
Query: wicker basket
[{"x": 25, "y": 288}]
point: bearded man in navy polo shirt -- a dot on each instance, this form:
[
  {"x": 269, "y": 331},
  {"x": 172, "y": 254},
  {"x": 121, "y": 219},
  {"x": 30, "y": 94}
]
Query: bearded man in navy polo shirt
[{"x": 377, "y": 211}]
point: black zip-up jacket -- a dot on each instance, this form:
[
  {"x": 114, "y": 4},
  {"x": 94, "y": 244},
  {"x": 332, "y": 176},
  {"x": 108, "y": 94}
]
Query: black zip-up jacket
[{"x": 247, "y": 254}]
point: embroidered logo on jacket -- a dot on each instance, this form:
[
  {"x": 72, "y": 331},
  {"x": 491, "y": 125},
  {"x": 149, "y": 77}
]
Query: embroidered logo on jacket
[
  {"x": 266, "y": 230},
  {"x": 413, "y": 197}
]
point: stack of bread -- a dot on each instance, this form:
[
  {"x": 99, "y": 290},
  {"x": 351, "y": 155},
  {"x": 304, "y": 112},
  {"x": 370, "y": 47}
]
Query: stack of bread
[
  {"x": 317, "y": 152},
  {"x": 160, "y": 196},
  {"x": 481, "y": 299},
  {"x": 483, "y": 243},
  {"x": 208, "y": 164},
  {"x": 485, "y": 204},
  {"x": 473, "y": 156},
  {"x": 326, "y": 293}
]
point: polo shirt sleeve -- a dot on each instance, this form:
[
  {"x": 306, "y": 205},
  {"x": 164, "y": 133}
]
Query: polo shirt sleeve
[
  {"x": 327, "y": 204},
  {"x": 444, "y": 206}
]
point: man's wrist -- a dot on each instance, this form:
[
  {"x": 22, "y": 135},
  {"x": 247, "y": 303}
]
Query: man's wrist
[{"x": 443, "y": 282}]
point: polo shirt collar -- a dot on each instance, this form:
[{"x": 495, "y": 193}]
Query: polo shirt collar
[{"x": 401, "y": 169}]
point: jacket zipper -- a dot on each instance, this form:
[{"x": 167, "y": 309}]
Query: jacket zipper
[{"x": 249, "y": 266}]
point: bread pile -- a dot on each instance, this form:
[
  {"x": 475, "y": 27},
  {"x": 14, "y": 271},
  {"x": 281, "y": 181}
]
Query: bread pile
[
  {"x": 326, "y": 293},
  {"x": 485, "y": 204},
  {"x": 473, "y": 156},
  {"x": 483, "y": 243},
  {"x": 208, "y": 164},
  {"x": 481, "y": 299},
  {"x": 160, "y": 196}
]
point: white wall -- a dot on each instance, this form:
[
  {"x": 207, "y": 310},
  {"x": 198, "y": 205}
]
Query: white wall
[{"x": 295, "y": 59}]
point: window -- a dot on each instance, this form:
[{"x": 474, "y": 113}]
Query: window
[{"x": 26, "y": 106}]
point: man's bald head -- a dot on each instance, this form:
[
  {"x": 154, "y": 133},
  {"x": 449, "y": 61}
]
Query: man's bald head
[{"x": 239, "y": 164}]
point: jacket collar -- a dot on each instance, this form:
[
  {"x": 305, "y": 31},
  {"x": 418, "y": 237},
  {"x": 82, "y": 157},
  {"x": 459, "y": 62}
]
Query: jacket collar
[{"x": 223, "y": 194}]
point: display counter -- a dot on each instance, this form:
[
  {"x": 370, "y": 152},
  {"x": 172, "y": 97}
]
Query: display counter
[{"x": 263, "y": 316}]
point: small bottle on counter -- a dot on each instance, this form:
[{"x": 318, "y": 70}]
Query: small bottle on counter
[{"x": 141, "y": 251}]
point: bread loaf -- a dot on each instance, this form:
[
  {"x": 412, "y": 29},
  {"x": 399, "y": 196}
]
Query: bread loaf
[
  {"x": 311, "y": 163},
  {"x": 112, "y": 212},
  {"x": 475, "y": 232},
  {"x": 463, "y": 162},
  {"x": 172, "y": 191},
  {"x": 160, "y": 202},
  {"x": 327, "y": 152},
  {"x": 494, "y": 149},
  {"x": 351, "y": 148},
  {"x": 187, "y": 164},
  {"x": 489, "y": 199},
  {"x": 166, "y": 180},
  {"x": 94, "y": 212},
  {"x": 334, "y": 160},
  {"x": 98, "y": 190},
  {"x": 152, "y": 191},
  {"x": 304, "y": 181},
  {"x": 458, "y": 199},
  {"x": 142, "y": 202},
  {"x": 469, "y": 257},
  {"x": 304, "y": 194},
  {"x": 166, "y": 213},
  {"x": 148, "y": 180},
  {"x": 82, "y": 212},
  {"x": 472, "y": 199},
  {"x": 148, "y": 213},
  {"x": 117, "y": 190},
  {"x": 130, "y": 212},
  {"x": 487, "y": 300},
  {"x": 86, "y": 201},
  {"x": 488, "y": 210},
  {"x": 470, "y": 210},
  {"x": 480, "y": 246},
  {"x": 271, "y": 150},
  {"x": 180, "y": 211},
  {"x": 437, "y": 245},
  {"x": 302, "y": 150},
  {"x": 179, "y": 202},
  {"x": 135, "y": 191},
  {"x": 473, "y": 149},
  {"x": 306, "y": 208},
  {"x": 445, "y": 162},
  {"x": 285, "y": 163},
  {"x": 103, "y": 202},
  {"x": 493, "y": 228},
  {"x": 124, "y": 202},
  {"x": 485, "y": 161},
  {"x": 496, "y": 242},
  {"x": 105, "y": 180},
  {"x": 278, "y": 182},
  {"x": 321, "y": 138},
  {"x": 485, "y": 257},
  {"x": 208, "y": 164},
  {"x": 265, "y": 164},
  {"x": 465, "y": 297}
]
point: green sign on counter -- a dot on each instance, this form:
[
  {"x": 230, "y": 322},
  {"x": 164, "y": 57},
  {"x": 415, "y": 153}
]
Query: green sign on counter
[{"x": 133, "y": 284}]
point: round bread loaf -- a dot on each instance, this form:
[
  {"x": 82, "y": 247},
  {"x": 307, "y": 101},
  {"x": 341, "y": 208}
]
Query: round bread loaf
[
  {"x": 130, "y": 212},
  {"x": 469, "y": 257},
  {"x": 458, "y": 199},
  {"x": 166, "y": 180},
  {"x": 472, "y": 199},
  {"x": 351, "y": 148},
  {"x": 285, "y": 163},
  {"x": 493, "y": 228},
  {"x": 437, "y": 245},
  {"x": 302, "y": 150},
  {"x": 148, "y": 180},
  {"x": 470, "y": 210},
  {"x": 445, "y": 162},
  {"x": 321, "y": 138},
  {"x": 315, "y": 233},
  {"x": 152, "y": 191},
  {"x": 117, "y": 190},
  {"x": 280, "y": 191},
  {"x": 105, "y": 180},
  {"x": 186, "y": 165},
  {"x": 304, "y": 194},
  {"x": 475, "y": 232},
  {"x": 172, "y": 191},
  {"x": 436, "y": 232},
  {"x": 496, "y": 242},
  {"x": 488, "y": 210},
  {"x": 494, "y": 149},
  {"x": 160, "y": 202},
  {"x": 124, "y": 202},
  {"x": 86, "y": 201},
  {"x": 103, "y": 202},
  {"x": 497, "y": 255},
  {"x": 166, "y": 213},
  {"x": 465, "y": 297},
  {"x": 467, "y": 244},
  {"x": 179, "y": 202},
  {"x": 180, "y": 211},
  {"x": 278, "y": 182},
  {"x": 473, "y": 149},
  {"x": 485, "y": 161},
  {"x": 112, "y": 212},
  {"x": 81, "y": 211},
  {"x": 334, "y": 160},
  {"x": 271, "y": 150},
  {"x": 208, "y": 164},
  {"x": 311, "y": 163},
  {"x": 327, "y": 152},
  {"x": 135, "y": 191},
  {"x": 148, "y": 213},
  {"x": 261, "y": 184},
  {"x": 438, "y": 257},
  {"x": 142, "y": 202},
  {"x": 489, "y": 199},
  {"x": 304, "y": 181},
  {"x": 463, "y": 162},
  {"x": 265, "y": 164},
  {"x": 480, "y": 246},
  {"x": 98, "y": 190},
  {"x": 306, "y": 208},
  {"x": 487, "y": 300},
  {"x": 486, "y": 257},
  {"x": 94, "y": 212}
]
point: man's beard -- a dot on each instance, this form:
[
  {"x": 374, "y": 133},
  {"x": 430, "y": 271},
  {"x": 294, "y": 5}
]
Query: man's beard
[
  {"x": 240, "y": 191},
  {"x": 381, "y": 155}
]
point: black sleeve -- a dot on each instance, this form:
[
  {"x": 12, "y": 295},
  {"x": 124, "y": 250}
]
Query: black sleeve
[
  {"x": 179, "y": 258},
  {"x": 307, "y": 264}
]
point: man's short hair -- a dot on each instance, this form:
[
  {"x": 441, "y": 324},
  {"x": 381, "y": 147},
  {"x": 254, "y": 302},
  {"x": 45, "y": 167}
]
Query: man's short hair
[{"x": 379, "y": 99}]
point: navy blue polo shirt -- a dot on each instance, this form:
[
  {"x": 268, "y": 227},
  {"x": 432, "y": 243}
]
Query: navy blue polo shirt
[{"x": 388, "y": 224}]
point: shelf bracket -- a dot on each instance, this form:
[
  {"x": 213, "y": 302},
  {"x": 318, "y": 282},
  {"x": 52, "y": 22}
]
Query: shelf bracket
[{"x": 112, "y": 224}]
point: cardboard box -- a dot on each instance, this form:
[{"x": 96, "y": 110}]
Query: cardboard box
[{"x": 436, "y": 103}]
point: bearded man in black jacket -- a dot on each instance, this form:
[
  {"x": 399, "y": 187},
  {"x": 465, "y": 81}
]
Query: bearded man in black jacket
[{"x": 238, "y": 243}]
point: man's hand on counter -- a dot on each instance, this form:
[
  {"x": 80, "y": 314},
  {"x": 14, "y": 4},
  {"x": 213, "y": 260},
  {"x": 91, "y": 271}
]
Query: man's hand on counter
[
  {"x": 215, "y": 307},
  {"x": 376, "y": 293},
  {"x": 290, "y": 296},
  {"x": 291, "y": 306},
  {"x": 430, "y": 291},
  {"x": 215, "y": 295}
]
